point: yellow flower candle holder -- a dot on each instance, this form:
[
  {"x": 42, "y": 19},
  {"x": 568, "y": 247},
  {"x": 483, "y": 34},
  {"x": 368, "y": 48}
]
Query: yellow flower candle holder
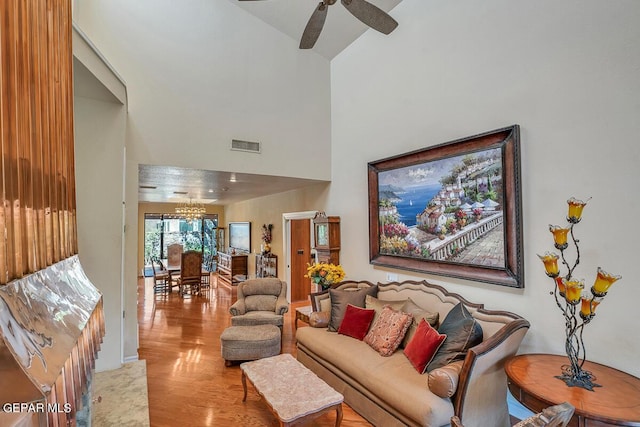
[
  {"x": 603, "y": 282},
  {"x": 559, "y": 236},
  {"x": 573, "y": 292},
  {"x": 588, "y": 307},
  {"x": 575, "y": 210},
  {"x": 577, "y": 307},
  {"x": 550, "y": 261},
  {"x": 561, "y": 287}
]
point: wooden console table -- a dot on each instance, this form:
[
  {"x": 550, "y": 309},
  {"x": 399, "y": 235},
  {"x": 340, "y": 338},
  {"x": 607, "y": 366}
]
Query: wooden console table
[
  {"x": 532, "y": 382},
  {"x": 230, "y": 266}
]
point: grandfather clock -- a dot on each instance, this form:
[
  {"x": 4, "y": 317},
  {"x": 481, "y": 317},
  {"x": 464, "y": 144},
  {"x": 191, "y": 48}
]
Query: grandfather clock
[{"x": 327, "y": 238}]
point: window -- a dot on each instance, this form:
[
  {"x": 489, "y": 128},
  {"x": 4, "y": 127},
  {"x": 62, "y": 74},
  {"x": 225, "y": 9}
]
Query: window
[{"x": 162, "y": 230}]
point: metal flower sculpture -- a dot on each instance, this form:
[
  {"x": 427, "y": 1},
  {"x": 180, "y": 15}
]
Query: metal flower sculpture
[{"x": 569, "y": 294}]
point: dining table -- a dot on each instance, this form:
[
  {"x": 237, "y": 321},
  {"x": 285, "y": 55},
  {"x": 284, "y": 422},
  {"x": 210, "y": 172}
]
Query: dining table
[{"x": 174, "y": 272}]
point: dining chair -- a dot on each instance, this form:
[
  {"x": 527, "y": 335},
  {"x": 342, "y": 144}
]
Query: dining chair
[
  {"x": 190, "y": 273},
  {"x": 161, "y": 277},
  {"x": 205, "y": 280},
  {"x": 174, "y": 254},
  {"x": 173, "y": 279}
]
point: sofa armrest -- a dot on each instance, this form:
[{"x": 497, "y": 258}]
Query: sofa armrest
[
  {"x": 238, "y": 308},
  {"x": 281, "y": 305},
  {"x": 319, "y": 319},
  {"x": 443, "y": 381}
]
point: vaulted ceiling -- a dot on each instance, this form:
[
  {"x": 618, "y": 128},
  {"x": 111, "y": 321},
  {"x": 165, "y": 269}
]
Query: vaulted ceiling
[
  {"x": 166, "y": 184},
  {"x": 291, "y": 16}
]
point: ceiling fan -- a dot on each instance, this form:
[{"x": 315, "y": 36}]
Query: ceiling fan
[{"x": 366, "y": 12}]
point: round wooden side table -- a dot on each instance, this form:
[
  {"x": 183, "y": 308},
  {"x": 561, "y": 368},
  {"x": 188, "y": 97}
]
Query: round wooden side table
[{"x": 532, "y": 381}]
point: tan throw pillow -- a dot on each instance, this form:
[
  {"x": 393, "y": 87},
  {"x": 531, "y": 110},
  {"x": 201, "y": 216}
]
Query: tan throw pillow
[
  {"x": 443, "y": 381},
  {"x": 418, "y": 314},
  {"x": 378, "y": 304},
  {"x": 387, "y": 332}
]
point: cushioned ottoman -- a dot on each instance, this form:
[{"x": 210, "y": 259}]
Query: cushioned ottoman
[{"x": 241, "y": 343}]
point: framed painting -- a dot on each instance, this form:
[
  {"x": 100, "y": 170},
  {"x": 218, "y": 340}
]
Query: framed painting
[
  {"x": 453, "y": 209},
  {"x": 240, "y": 236}
]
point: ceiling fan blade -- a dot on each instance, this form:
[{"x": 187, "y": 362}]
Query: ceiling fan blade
[
  {"x": 314, "y": 27},
  {"x": 371, "y": 15}
]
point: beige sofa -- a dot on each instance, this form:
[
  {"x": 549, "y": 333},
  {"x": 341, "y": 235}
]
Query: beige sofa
[{"x": 388, "y": 391}]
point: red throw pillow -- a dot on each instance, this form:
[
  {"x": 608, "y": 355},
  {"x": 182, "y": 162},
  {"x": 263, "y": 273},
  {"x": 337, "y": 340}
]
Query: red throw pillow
[
  {"x": 356, "y": 322},
  {"x": 423, "y": 346}
]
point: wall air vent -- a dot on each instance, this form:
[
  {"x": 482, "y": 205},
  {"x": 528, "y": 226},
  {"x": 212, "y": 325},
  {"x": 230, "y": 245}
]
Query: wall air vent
[{"x": 248, "y": 146}]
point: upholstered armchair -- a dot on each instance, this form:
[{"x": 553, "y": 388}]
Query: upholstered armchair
[{"x": 260, "y": 302}]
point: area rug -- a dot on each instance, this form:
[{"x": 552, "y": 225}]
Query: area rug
[{"x": 122, "y": 395}]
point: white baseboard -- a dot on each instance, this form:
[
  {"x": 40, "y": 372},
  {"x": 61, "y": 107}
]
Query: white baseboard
[{"x": 131, "y": 359}]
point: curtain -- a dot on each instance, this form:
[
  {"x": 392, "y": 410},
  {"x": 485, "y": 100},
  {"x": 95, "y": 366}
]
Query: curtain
[{"x": 38, "y": 210}]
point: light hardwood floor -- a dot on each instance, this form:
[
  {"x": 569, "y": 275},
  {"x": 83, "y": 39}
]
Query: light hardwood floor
[{"x": 188, "y": 382}]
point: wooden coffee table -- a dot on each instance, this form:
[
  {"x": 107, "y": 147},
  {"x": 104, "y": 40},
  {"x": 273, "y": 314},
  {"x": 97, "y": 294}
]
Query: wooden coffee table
[
  {"x": 532, "y": 382},
  {"x": 294, "y": 393}
]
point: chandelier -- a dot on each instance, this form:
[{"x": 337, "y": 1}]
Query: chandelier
[{"x": 190, "y": 211}]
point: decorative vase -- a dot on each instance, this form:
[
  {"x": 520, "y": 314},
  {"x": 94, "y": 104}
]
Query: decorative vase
[{"x": 267, "y": 248}]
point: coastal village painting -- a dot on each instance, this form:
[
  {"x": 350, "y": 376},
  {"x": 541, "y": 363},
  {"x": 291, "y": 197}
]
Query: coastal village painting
[{"x": 445, "y": 210}]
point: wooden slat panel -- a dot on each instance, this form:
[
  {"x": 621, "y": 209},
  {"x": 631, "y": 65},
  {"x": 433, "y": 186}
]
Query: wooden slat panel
[
  {"x": 37, "y": 213},
  {"x": 3, "y": 138}
]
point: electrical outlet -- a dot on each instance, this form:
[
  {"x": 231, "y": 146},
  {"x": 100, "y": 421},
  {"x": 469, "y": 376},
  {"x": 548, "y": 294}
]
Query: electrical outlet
[{"x": 392, "y": 277}]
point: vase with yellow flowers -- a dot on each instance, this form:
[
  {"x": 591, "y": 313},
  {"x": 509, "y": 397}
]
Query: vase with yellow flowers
[
  {"x": 577, "y": 305},
  {"x": 325, "y": 274}
]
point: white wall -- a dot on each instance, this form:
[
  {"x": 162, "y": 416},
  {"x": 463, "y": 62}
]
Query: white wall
[
  {"x": 567, "y": 72},
  {"x": 99, "y": 149},
  {"x": 201, "y": 73},
  {"x": 100, "y": 115}
]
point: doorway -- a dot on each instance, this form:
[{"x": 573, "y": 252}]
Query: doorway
[{"x": 298, "y": 252}]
